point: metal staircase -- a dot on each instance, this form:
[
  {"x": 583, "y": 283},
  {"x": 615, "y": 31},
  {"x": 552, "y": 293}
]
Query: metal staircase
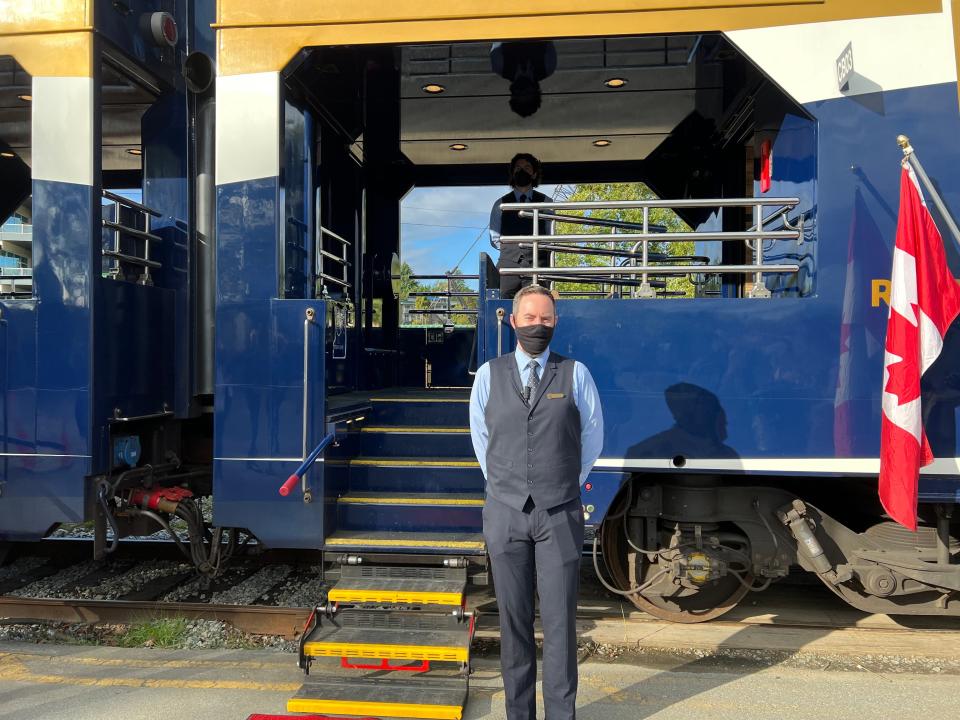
[{"x": 408, "y": 533}]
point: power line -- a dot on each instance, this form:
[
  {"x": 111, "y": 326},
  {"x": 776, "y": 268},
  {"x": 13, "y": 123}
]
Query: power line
[{"x": 463, "y": 227}]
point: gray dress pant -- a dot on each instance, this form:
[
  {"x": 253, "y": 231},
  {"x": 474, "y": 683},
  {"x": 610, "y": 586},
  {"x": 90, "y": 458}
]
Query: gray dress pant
[{"x": 548, "y": 543}]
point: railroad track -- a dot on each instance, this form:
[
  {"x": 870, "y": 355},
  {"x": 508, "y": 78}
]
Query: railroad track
[{"x": 270, "y": 607}]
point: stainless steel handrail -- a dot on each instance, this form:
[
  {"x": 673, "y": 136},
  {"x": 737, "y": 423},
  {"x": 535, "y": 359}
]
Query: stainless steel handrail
[
  {"x": 448, "y": 293},
  {"x": 121, "y": 200},
  {"x": 343, "y": 259},
  {"x": 661, "y": 269},
  {"x": 629, "y": 204},
  {"x": 131, "y": 231},
  {"x": 132, "y": 259},
  {"x": 331, "y": 233},
  {"x": 753, "y": 239},
  {"x": 335, "y": 281},
  {"x": 573, "y": 239},
  {"x": 120, "y": 229}
]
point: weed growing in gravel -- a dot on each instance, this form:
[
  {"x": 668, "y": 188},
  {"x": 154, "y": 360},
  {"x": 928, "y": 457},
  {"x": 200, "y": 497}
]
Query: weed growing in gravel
[{"x": 161, "y": 633}]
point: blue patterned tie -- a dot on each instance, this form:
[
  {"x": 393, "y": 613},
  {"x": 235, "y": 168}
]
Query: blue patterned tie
[{"x": 530, "y": 389}]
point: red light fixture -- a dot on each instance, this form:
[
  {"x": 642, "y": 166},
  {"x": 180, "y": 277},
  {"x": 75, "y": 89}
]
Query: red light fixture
[
  {"x": 766, "y": 165},
  {"x": 163, "y": 29}
]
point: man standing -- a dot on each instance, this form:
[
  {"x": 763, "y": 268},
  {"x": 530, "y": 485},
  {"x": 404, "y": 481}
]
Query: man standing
[
  {"x": 537, "y": 429},
  {"x": 525, "y": 175}
]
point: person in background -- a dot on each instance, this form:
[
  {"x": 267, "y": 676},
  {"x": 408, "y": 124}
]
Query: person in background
[{"x": 525, "y": 175}]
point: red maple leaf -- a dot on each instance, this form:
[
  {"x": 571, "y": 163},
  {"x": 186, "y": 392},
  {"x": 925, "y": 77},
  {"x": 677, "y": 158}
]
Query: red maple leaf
[{"x": 903, "y": 340}]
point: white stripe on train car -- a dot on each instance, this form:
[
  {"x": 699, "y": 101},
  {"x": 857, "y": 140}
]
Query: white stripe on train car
[
  {"x": 248, "y": 127},
  {"x": 889, "y": 53},
  {"x": 62, "y": 129},
  {"x": 861, "y": 466}
]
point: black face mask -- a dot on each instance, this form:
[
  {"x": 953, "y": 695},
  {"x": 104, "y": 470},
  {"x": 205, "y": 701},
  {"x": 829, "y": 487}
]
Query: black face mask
[
  {"x": 521, "y": 178},
  {"x": 534, "y": 338}
]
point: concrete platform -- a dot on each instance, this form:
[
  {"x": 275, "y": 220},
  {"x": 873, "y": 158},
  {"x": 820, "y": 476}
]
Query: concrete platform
[{"x": 50, "y": 682}]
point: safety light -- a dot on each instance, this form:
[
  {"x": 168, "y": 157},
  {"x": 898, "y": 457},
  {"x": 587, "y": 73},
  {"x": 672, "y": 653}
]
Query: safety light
[
  {"x": 135, "y": 151},
  {"x": 7, "y": 154},
  {"x": 163, "y": 29},
  {"x": 459, "y": 147},
  {"x": 25, "y": 98},
  {"x": 602, "y": 142},
  {"x": 433, "y": 89},
  {"x": 615, "y": 82},
  {"x": 766, "y": 165}
]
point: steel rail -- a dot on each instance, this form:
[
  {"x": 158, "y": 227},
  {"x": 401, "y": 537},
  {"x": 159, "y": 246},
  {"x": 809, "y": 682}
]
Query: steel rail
[{"x": 288, "y": 622}]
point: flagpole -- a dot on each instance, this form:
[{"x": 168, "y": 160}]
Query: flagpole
[{"x": 911, "y": 157}]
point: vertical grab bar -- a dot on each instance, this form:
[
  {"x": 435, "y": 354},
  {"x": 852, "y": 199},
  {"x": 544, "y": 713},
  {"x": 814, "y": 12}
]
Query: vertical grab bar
[
  {"x": 536, "y": 245},
  {"x": 645, "y": 291},
  {"x": 759, "y": 290},
  {"x": 308, "y": 320}
]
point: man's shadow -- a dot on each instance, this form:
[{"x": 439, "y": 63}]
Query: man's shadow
[{"x": 699, "y": 429}]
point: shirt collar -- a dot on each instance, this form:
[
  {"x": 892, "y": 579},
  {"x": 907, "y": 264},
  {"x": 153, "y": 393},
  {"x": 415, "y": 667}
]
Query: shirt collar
[
  {"x": 518, "y": 195},
  {"x": 523, "y": 359}
]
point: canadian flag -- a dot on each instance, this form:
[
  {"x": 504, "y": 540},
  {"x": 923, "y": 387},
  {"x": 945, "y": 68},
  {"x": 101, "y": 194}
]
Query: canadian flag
[{"x": 924, "y": 301}]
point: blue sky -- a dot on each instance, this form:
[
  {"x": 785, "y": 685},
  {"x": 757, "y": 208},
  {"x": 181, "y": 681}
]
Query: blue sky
[{"x": 439, "y": 224}]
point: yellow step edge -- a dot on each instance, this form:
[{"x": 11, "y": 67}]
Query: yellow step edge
[
  {"x": 392, "y": 462},
  {"x": 364, "y": 708},
  {"x": 389, "y": 652},
  {"x": 410, "y": 429},
  {"x": 396, "y": 597},
  {"x": 384, "y": 542},
  {"x": 442, "y": 501}
]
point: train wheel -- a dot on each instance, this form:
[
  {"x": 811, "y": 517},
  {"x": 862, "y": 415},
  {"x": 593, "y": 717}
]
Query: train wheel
[{"x": 660, "y": 596}]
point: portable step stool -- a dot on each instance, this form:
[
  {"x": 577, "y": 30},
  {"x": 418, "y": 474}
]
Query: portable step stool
[{"x": 397, "y": 619}]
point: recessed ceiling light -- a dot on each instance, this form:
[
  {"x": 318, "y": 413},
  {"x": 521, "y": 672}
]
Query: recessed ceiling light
[
  {"x": 25, "y": 98},
  {"x": 601, "y": 143},
  {"x": 135, "y": 151},
  {"x": 459, "y": 147},
  {"x": 7, "y": 154},
  {"x": 615, "y": 82},
  {"x": 433, "y": 89}
]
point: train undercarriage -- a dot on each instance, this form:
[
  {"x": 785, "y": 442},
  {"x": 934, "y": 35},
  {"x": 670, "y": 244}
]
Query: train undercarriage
[{"x": 688, "y": 550}]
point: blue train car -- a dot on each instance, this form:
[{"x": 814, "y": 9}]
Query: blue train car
[{"x": 260, "y": 341}]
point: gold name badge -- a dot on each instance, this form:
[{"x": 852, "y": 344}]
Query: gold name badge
[{"x": 555, "y": 396}]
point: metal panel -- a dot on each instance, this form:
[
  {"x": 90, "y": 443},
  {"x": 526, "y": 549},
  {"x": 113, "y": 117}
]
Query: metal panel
[
  {"x": 62, "y": 139},
  {"x": 248, "y": 127}
]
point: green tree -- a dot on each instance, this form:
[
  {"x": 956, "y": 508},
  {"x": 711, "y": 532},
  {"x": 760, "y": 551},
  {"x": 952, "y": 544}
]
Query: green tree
[
  {"x": 407, "y": 283},
  {"x": 657, "y": 218}
]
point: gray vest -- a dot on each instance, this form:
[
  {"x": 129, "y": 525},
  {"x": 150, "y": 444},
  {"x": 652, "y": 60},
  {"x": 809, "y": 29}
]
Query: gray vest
[{"x": 533, "y": 451}]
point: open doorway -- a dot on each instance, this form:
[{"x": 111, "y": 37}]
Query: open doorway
[{"x": 409, "y": 148}]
